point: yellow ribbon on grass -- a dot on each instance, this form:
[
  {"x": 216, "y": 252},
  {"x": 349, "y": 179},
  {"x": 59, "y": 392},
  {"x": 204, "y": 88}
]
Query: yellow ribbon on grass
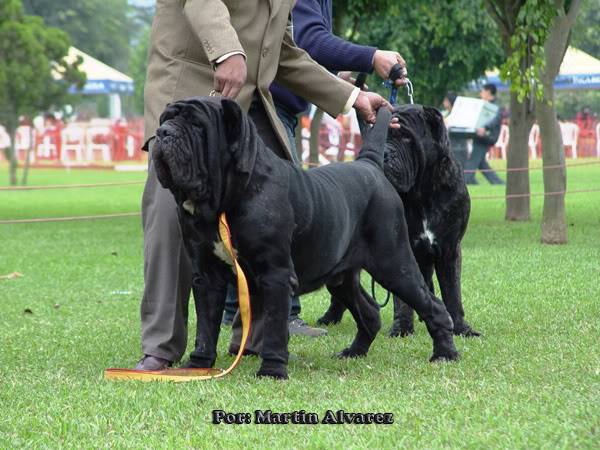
[{"x": 180, "y": 375}]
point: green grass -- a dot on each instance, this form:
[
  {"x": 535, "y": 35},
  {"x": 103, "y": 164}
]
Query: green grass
[{"x": 531, "y": 381}]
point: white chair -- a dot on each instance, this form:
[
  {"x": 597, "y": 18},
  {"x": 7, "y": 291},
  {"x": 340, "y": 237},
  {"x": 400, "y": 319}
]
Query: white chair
[
  {"x": 570, "y": 133},
  {"x": 24, "y": 139},
  {"x": 130, "y": 146},
  {"x": 502, "y": 142},
  {"x": 534, "y": 140},
  {"x": 97, "y": 140},
  {"x": 73, "y": 140},
  {"x": 47, "y": 148}
]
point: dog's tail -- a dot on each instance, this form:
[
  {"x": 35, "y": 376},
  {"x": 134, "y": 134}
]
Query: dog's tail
[{"x": 374, "y": 144}]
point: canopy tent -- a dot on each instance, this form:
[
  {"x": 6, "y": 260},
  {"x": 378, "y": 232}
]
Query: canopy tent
[
  {"x": 578, "y": 71},
  {"x": 101, "y": 80}
]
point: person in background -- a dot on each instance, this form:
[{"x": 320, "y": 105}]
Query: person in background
[
  {"x": 458, "y": 143},
  {"x": 312, "y": 27},
  {"x": 485, "y": 138}
]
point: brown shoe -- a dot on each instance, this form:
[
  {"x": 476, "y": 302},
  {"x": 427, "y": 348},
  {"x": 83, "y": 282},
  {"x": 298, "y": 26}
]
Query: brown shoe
[{"x": 149, "y": 362}]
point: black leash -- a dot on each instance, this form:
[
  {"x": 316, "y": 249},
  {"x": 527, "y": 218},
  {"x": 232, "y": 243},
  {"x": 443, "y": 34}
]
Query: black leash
[{"x": 387, "y": 297}]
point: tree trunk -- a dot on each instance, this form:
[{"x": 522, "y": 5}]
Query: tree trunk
[
  {"x": 517, "y": 156},
  {"x": 554, "y": 227},
  {"x": 315, "y": 128}
]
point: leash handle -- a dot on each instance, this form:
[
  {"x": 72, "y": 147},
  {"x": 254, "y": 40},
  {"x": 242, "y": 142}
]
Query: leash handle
[{"x": 397, "y": 72}]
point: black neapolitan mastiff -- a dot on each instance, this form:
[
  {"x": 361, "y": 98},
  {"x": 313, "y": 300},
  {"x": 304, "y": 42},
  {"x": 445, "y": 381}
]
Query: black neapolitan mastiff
[
  {"x": 293, "y": 230},
  {"x": 420, "y": 166}
]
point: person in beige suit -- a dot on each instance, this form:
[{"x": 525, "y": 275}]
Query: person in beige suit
[{"x": 235, "y": 48}]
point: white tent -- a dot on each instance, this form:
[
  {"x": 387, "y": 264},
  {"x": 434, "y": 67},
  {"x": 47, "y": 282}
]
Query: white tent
[
  {"x": 102, "y": 80},
  {"x": 577, "y": 71}
]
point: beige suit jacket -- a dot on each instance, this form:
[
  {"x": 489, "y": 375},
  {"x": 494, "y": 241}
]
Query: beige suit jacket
[{"x": 188, "y": 36}]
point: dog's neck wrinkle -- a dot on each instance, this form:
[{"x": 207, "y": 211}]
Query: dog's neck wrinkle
[{"x": 410, "y": 163}]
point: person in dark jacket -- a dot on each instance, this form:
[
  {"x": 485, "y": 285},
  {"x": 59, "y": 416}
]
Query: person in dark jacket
[
  {"x": 458, "y": 142},
  {"x": 312, "y": 28},
  {"x": 486, "y": 137}
]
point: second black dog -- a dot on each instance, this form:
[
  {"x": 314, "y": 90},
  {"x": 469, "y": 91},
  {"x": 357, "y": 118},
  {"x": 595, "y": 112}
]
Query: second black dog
[
  {"x": 420, "y": 166},
  {"x": 293, "y": 230}
]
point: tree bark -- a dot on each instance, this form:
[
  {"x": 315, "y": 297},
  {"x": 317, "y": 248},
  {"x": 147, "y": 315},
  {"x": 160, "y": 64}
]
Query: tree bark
[
  {"x": 521, "y": 119},
  {"x": 315, "y": 128},
  {"x": 517, "y": 156},
  {"x": 554, "y": 227}
]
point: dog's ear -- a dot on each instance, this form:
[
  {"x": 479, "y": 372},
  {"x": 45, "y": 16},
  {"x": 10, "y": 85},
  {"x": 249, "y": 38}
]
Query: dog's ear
[
  {"x": 232, "y": 119},
  {"x": 435, "y": 121}
]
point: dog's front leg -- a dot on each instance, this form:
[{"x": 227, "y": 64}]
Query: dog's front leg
[
  {"x": 276, "y": 295},
  {"x": 276, "y": 292},
  {"x": 334, "y": 313},
  {"x": 209, "y": 298},
  {"x": 447, "y": 269}
]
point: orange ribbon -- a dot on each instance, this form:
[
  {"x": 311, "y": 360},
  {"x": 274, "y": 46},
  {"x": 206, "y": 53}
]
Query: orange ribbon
[{"x": 181, "y": 375}]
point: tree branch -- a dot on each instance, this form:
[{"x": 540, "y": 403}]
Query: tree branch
[
  {"x": 500, "y": 21},
  {"x": 573, "y": 11}
]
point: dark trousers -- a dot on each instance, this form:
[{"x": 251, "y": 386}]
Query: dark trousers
[{"x": 477, "y": 161}]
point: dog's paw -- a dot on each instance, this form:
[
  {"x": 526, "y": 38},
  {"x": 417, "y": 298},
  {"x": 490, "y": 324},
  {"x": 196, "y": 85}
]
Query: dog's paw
[
  {"x": 465, "y": 330},
  {"x": 198, "y": 363},
  {"x": 329, "y": 319},
  {"x": 401, "y": 331},
  {"x": 447, "y": 355},
  {"x": 271, "y": 373},
  {"x": 351, "y": 353}
]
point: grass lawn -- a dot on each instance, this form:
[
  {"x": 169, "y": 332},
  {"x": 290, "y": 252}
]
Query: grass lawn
[{"x": 531, "y": 381}]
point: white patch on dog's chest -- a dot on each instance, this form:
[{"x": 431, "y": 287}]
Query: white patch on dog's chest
[
  {"x": 427, "y": 233},
  {"x": 221, "y": 252},
  {"x": 189, "y": 206}
]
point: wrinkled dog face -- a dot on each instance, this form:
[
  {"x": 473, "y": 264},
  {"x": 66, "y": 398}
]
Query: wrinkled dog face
[
  {"x": 176, "y": 160},
  {"x": 420, "y": 141}
]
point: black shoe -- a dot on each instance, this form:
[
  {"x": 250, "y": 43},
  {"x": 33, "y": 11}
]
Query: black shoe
[{"x": 149, "y": 362}]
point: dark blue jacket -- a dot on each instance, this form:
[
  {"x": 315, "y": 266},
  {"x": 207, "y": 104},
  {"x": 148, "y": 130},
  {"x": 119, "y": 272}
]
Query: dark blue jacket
[{"x": 313, "y": 25}]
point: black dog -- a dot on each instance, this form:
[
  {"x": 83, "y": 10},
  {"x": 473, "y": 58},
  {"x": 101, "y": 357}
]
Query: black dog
[
  {"x": 293, "y": 230},
  {"x": 420, "y": 166}
]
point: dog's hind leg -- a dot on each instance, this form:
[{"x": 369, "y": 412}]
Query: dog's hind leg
[
  {"x": 364, "y": 310},
  {"x": 447, "y": 269},
  {"x": 393, "y": 265},
  {"x": 334, "y": 313}
]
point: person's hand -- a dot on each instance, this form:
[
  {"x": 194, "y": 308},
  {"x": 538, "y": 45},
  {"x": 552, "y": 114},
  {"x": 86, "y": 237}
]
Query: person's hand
[
  {"x": 347, "y": 76},
  {"x": 384, "y": 60},
  {"x": 481, "y": 132},
  {"x": 367, "y": 104},
  {"x": 230, "y": 76}
]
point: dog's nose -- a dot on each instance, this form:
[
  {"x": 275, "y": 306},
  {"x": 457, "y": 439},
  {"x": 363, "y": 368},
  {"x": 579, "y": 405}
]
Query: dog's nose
[{"x": 162, "y": 132}]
